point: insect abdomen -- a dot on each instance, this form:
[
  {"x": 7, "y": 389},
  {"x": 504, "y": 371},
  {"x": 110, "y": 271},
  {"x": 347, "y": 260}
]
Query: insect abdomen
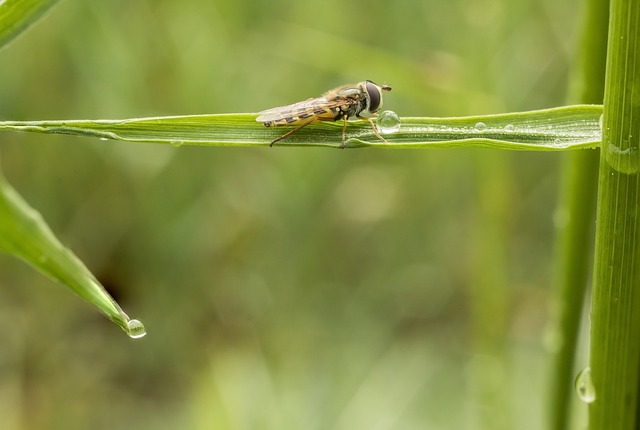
[{"x": 317, "y": 115}]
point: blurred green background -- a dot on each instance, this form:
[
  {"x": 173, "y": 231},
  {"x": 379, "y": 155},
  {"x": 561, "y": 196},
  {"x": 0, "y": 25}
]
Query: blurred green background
[{"x": 283, "y": 288}]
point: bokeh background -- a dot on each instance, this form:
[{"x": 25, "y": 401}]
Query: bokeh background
[{"x": 284, "y": 288}]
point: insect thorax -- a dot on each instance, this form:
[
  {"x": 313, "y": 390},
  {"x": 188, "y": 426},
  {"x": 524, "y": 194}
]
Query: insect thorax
[{"x": 354, "y": 108}]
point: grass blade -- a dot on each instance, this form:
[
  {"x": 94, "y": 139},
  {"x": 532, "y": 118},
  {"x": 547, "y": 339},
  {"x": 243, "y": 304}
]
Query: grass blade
[
  {"x": 25, "y": 234},
  {"x": 570, "y": 127},
  {"x": 16, "y": 16}
]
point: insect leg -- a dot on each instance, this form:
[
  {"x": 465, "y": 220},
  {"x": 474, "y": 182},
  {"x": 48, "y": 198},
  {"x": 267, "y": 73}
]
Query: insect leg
[
  {"x": 290, "y": 132},
  {"x": 373, "y": 126},
  {"x": 344, "y": 130}
]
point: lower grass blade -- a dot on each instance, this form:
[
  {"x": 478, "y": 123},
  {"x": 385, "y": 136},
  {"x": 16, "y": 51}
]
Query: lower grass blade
[{"x": 24, "y": 234}]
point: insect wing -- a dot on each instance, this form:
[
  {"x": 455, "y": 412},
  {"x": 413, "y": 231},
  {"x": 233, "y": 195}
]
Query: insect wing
[{"x": 320, "y": 108}]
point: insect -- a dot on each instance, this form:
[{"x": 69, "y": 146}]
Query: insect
[{"x": 340, "y": 103}]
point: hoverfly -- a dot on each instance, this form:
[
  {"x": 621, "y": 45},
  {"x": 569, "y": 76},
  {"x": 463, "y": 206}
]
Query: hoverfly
[{"x": 340, "y": 103}]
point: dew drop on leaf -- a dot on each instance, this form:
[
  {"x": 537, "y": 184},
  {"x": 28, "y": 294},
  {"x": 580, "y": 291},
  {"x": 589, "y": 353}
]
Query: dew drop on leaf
[
  {"x": 481, "y": 126},
  {"x": 135, "y": 329}
]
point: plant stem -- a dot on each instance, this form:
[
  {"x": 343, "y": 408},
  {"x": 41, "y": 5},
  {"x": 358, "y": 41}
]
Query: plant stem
[
  {"x": 576, "y": 210},
  {"x": 615, "y": 319}
]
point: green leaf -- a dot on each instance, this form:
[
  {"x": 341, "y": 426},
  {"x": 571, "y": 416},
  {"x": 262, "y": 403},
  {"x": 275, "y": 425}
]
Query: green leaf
[
  {"x": 16, "y": 16},
  {"x": 25, "y": 234},
  {"x": 569, "y": 127}
]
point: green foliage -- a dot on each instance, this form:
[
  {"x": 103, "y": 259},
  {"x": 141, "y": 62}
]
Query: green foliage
[{"x": 293, "y": 288}]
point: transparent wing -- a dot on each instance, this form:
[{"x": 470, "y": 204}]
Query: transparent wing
[{"x": 319, "y": 106}]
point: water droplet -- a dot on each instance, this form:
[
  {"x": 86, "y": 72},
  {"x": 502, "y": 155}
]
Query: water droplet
[
  {"x": 135, "y": 329},
  {"x": 103, "y": 138},
  {"x": 584, "y": 386},
  {"x": 624, "y": 158},
  {"x": 388, "y": 122},
  {"x": 481, "y": 126},
  {"x": 177, "y": 143},
  {"x": 509, "y": 128}
]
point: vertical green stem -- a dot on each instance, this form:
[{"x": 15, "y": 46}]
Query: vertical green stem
[
  {"x": 489, "y": 293},
  {"x": 615, "y": 311},
  {"x": 576, "y": 209},
  {"x": 573, "y": 249}
]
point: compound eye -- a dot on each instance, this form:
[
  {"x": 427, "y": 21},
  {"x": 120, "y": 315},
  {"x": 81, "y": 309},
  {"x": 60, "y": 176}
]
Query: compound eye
[{"x": 375, "y": 98}]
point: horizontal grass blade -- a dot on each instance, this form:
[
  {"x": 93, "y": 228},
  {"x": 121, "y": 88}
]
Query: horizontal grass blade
[{"x": 569, "y": 127}]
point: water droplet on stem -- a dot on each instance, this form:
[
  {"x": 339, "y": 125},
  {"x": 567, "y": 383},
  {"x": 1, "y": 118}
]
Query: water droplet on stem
[
  {"x": 388, "y": 122},
  {"x": 584, "y": 386}
]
